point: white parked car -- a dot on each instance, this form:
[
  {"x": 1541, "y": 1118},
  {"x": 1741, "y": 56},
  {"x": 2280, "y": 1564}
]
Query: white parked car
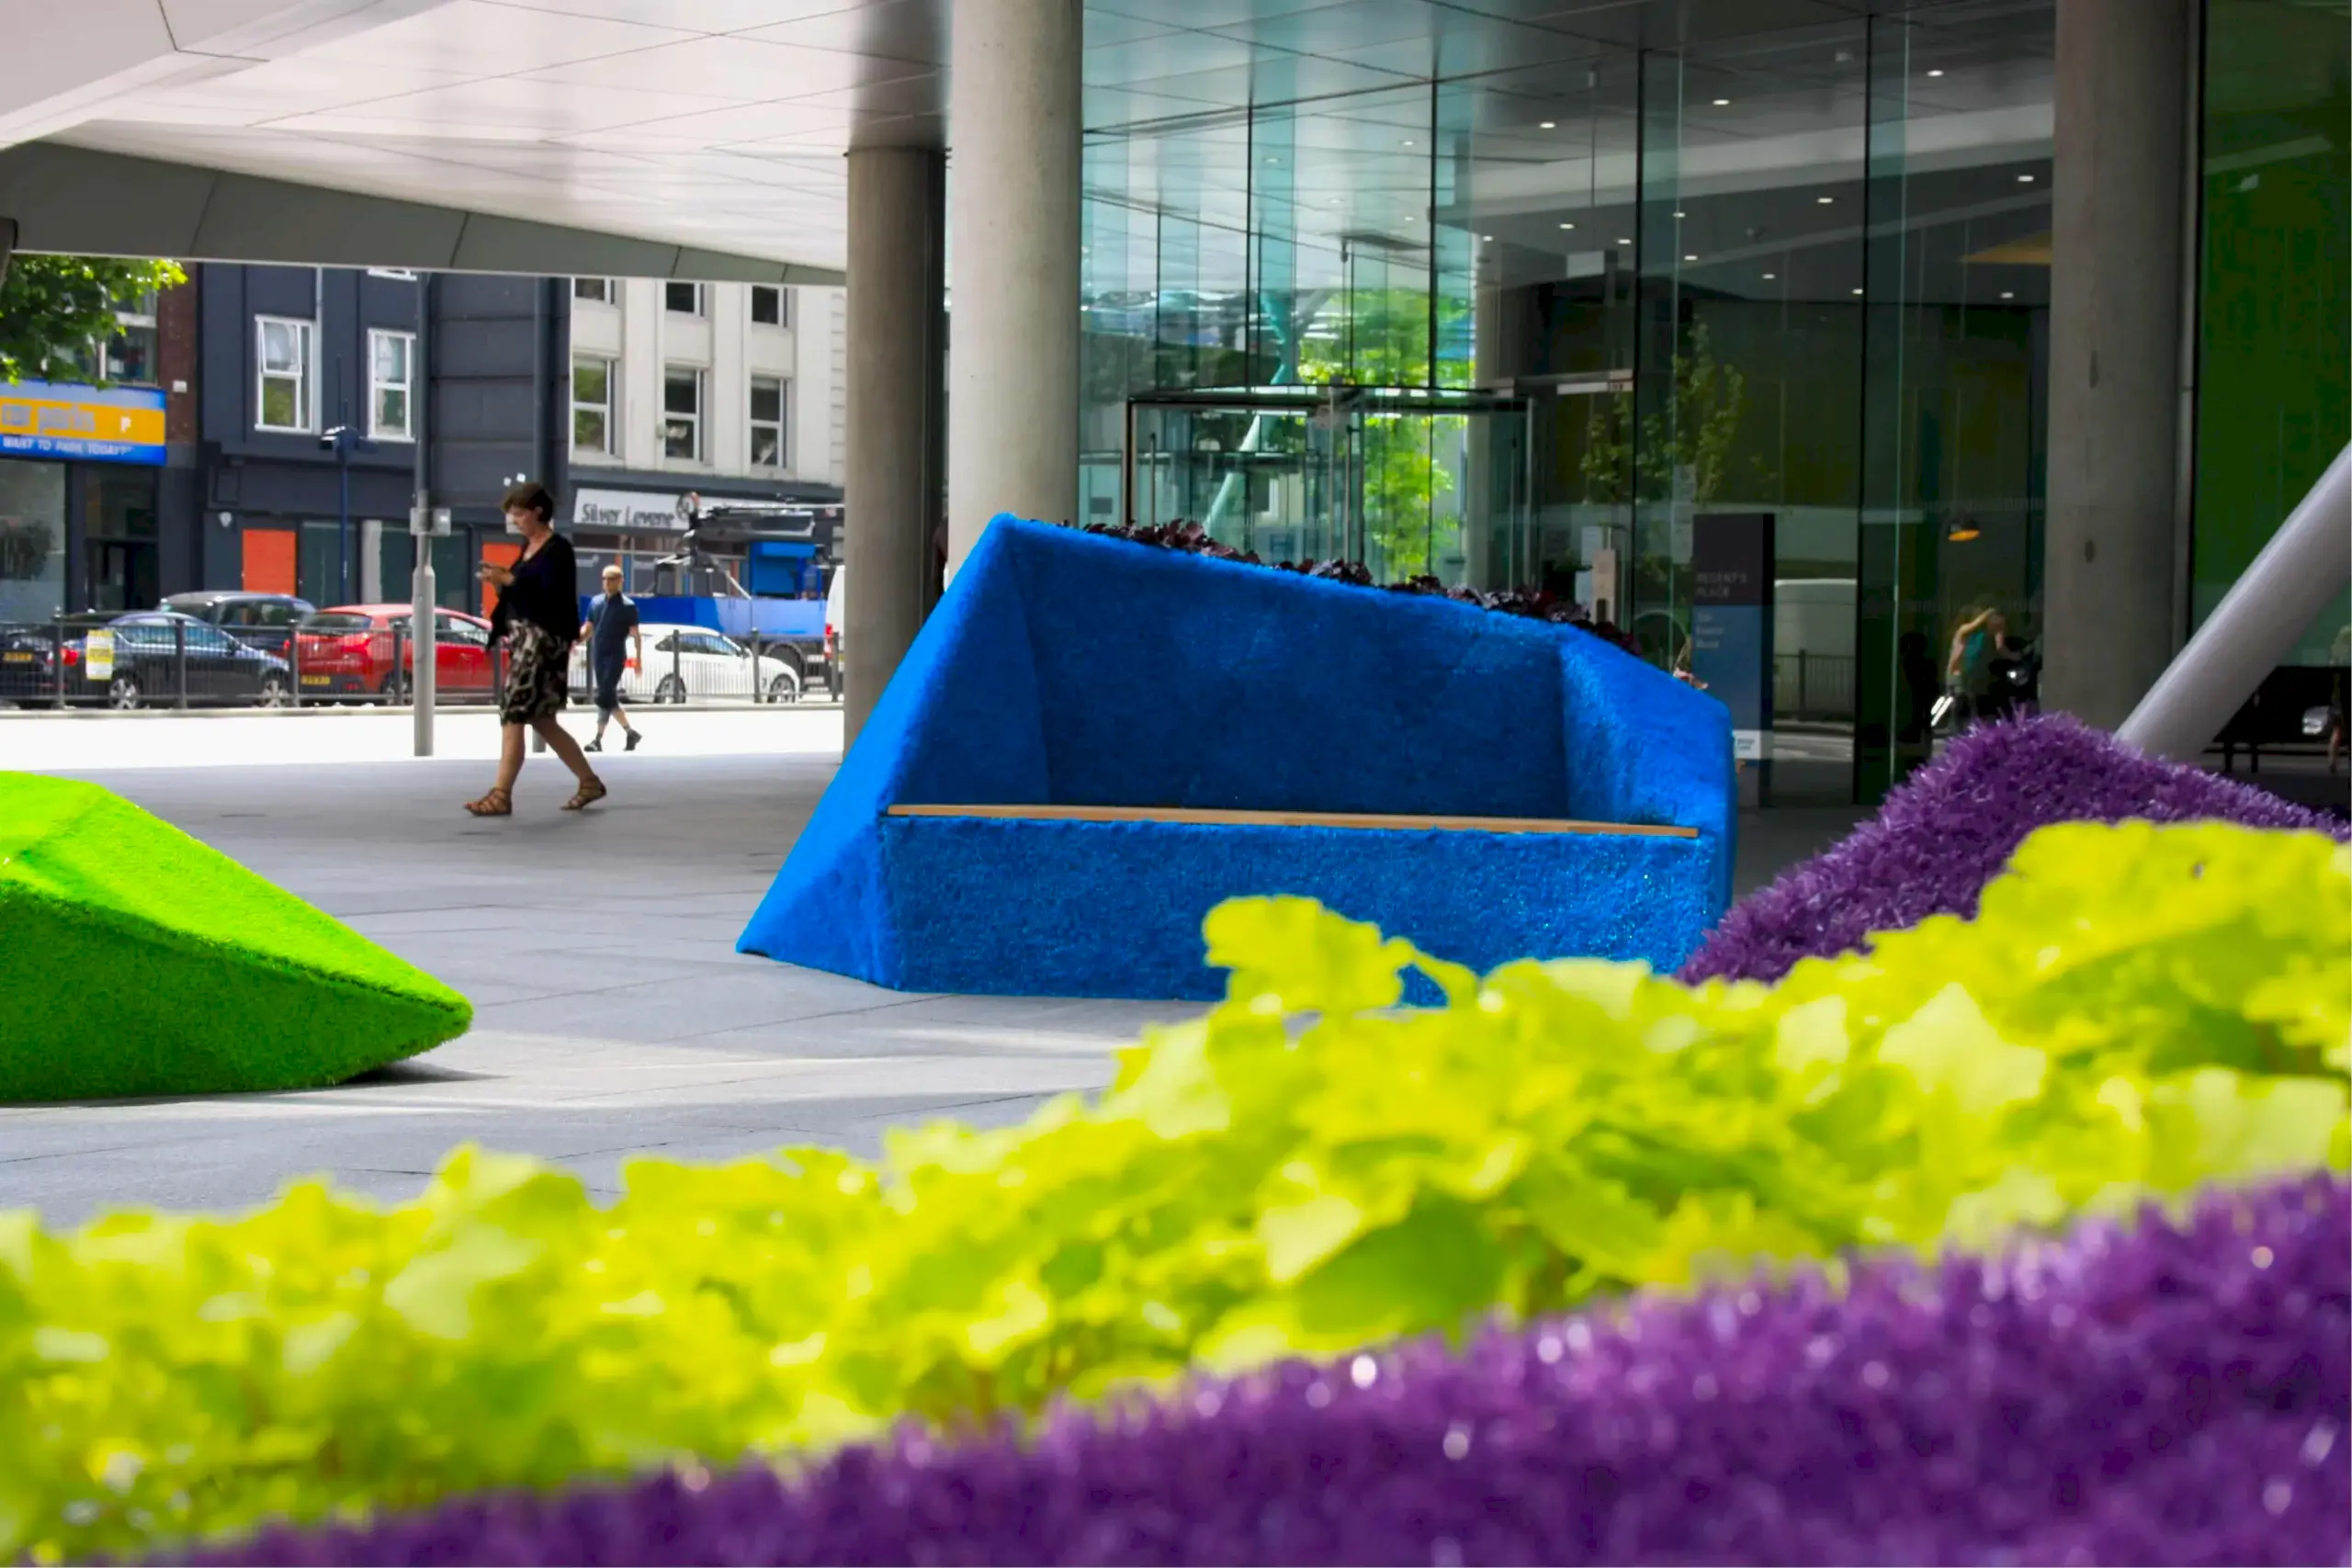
[{"x": 684, "y": 662}]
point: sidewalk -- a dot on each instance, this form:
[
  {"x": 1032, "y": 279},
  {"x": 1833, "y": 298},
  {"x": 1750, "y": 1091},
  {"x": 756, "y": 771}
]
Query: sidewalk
[{"x": 40, "y": 742}]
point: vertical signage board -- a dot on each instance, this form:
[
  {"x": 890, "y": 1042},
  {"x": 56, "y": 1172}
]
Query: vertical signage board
[{"x": 1731, "y": 622}]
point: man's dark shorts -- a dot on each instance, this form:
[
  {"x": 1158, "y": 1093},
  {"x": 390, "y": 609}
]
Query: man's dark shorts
[{"x": 609, "y": 684}]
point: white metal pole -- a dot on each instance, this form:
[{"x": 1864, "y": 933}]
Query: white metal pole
[
  {"x": 2304, "y": 566},
  {"x": 422, "y": 632}
]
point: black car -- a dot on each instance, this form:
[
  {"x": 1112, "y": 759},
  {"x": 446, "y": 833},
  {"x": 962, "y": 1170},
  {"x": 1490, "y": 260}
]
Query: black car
[
  {"x": 159, "y": 657},
  {"x": 30, "y": 656},
  {"x": 266, "y": 621}
]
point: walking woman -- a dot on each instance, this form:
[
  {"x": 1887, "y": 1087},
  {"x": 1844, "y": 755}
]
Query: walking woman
[{"x": 537, "y": 615}]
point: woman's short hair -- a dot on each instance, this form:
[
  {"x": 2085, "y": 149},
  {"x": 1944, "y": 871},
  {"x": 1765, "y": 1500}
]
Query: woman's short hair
[{"x": 531, "y": 497}]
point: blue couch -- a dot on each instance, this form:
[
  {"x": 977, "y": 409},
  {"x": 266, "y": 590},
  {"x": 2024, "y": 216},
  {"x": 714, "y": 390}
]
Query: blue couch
[{"x": 1066, "y": 670}]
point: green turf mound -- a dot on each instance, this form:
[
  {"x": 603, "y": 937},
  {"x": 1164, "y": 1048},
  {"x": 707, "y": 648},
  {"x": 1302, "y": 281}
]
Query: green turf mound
[{"x": 136, "y": 961}]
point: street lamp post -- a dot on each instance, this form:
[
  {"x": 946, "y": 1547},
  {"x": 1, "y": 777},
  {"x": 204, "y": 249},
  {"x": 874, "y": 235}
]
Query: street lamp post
[{"x": 343, "y": 440}]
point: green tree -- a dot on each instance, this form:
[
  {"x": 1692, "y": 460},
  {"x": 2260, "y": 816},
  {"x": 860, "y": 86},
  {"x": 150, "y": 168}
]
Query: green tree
[
  {"x": 54, "y": 307},
  {"x": 1381, "y": 338},
  {"x": 1710, "y": 400}
]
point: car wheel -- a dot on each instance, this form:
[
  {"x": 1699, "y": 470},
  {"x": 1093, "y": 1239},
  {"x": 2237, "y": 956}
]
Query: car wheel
[
  {"x": 783, "y": 689},
  {"x": 671, "y": 689},
  {"x": 274, "y": 693},
  {"x": 396, "y": 690},
  {"x": 122, "y": 692}
]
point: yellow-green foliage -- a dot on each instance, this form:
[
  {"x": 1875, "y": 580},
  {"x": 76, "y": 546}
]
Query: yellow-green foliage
[{"x": 1308, "y": 1169}]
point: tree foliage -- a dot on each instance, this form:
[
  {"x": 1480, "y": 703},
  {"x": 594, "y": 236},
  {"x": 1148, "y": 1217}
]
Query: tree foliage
[
  {"x": 54, "y": 307},
  {"x": 1695, "y": 431}
]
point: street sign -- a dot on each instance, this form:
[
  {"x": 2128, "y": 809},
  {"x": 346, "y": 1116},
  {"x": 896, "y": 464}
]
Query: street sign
[
  {"x": 431, "y": 521},
  {"x": 104, "y": 424},
  {"x": 98, "y": 655}
]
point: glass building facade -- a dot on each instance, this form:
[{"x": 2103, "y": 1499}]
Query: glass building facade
[{"x": 1519, "y": 323}]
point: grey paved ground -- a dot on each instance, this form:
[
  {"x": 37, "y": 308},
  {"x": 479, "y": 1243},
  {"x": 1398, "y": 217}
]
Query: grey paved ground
[{"x": 614, "y": 1016}]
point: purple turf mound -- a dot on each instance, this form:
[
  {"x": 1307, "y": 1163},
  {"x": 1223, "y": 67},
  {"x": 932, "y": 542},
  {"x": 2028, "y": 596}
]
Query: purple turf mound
[
  {"x": 2155, "y": 1394},
  {"x": 1947, "y": 830}
]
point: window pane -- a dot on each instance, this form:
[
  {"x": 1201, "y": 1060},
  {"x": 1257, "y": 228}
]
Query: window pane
[
  {"x": 767, "y": 398},
  {"x": 391, "y": 411},
  {"x": 279, "y": 404},
  {"x": 678, "y": 439},
  {"x": 767, "y": 446},
  {"x": 682, "y": 392},
  {"x": 277, "y": 351},
  {"x": 589, "y": 380},
  {"x": 588, "y": 430},
  {"x": 685, "y": 298},
  {"x": 767, "y": 306},
  {"x": 597, "y": 288},
  {"x": 392, "y": 356}
]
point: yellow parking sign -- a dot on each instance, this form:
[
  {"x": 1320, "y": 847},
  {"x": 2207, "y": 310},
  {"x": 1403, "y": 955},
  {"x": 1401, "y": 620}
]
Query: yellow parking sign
[{"x": 98, "y": 655}]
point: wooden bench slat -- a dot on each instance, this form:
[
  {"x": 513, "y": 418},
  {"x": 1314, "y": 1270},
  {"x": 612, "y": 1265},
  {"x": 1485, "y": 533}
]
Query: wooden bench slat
[{"x": 1216, "y": 818}]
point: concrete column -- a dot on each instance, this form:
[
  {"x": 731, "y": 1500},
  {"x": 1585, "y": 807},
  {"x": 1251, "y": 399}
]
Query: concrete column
[
  {"x": 892, "y": 415},
  {"x": 2122, "y": 96},
  {"x": 1014, "y": 117}
]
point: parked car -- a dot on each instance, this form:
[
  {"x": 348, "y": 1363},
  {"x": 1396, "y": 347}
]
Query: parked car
[
  {"x": 30, "y": 659},
  {"x": 159, "y": 656},
  {"x": 694, "y": 661},
  {"x": 362, "y": 653},
  {"x": 266, "y": 621}
]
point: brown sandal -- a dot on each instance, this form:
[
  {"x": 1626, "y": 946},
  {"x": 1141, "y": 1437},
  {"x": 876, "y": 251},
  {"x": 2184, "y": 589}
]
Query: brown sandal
[
  {"x": 497, "y": 803},
  {"x": 590, "y": 794}
]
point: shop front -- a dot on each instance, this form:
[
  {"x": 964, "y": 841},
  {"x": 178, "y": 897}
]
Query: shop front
[{"x": 80, "y": 470}]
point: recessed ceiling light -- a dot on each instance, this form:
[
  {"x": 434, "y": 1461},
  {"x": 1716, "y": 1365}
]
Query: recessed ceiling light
[
  {"x": 1545, "y": 125},
  {"x": 1722, "y": 103},
  {"x": 1825, "y": 200},
  {"x": 1690, "y": 258},
  {"x": 1486, "y": 239},
  {"x": 1771, "y": 276},
  {"x": 2025, "y": 179},
  {"x": 1858, "y": 291},
  {"x": 1678, "y": 215},
  {"x": 2007, "y": 294},
  {"x": 1567, "y": 225},
  {"x": 1409, "y": 141},
  {"x": 1624, "y": 241},
  {"x": 1938, "y": 72}
]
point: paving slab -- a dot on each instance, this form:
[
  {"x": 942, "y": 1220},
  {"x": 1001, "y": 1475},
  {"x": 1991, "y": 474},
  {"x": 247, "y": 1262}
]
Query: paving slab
[{"x": 613, "y": 1017}]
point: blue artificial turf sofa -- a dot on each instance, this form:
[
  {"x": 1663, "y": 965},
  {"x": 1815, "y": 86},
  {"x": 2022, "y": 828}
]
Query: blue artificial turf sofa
[{"x": 1064, "y": 672}]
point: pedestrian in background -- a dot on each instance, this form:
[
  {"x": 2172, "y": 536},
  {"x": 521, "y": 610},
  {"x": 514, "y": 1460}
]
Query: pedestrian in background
[
  {"x": 537, "y": 618},
  {"x": 615, "y": 645}
]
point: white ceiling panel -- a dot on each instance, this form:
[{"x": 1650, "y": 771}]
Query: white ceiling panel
[
  {"x": 740, "y": 69},
  {"x": 483, "y": 39},
  {"x": 537, "y": 109}
]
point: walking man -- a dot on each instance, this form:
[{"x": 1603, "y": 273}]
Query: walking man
[{"x": 614, "y": 644}]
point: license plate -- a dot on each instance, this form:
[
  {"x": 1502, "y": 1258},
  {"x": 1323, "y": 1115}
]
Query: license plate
[
  {"x": 318, "y": 680},
  {"x": 15, "y": 659}
]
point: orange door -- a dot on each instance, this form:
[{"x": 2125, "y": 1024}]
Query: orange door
[
  {"x": 269, "y": 560},
  {"x": 498, "y": 552}
]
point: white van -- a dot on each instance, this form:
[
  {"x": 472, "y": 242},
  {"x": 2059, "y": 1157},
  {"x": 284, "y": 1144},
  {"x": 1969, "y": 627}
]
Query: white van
[{"x": 836, "y": 682}]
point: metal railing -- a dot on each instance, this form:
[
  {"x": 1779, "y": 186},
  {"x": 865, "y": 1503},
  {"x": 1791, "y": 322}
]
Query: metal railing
[
  {"x": 698, "y": 668},
  {"x": 1813, "y": 687},
  {"x": 183, "y": 664}
]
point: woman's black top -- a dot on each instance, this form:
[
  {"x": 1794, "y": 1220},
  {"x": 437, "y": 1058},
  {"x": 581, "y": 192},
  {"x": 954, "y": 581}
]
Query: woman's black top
[{"x": 546, "y": 592}]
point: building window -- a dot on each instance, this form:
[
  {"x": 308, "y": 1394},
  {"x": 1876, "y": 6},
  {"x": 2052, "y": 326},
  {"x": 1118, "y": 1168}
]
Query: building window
[
  {"x": 390, "y": 361},
  {"x": 284, "y": 360},
  {"x": 682, "y": 413},
  {"x": 130, "y": 356},
  {"x": 767, "y": 421},
  {"x": 598, "y": 290},
  {"x": 681, "y": 298},
  {"x": 398, "y": 274},
  {"x": 768, "y": 308},
  {"x": 592, "y": 405}
]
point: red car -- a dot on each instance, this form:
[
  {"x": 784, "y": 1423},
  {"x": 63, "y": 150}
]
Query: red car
[{"x": 346, "y": 653}]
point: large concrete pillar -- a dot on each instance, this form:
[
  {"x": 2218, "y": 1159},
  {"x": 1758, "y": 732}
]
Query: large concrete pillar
[
  {"x": 892, "y": 415},
  {"x": 1015, "y": 123},
  {"x": 2119, "y": 202}
]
